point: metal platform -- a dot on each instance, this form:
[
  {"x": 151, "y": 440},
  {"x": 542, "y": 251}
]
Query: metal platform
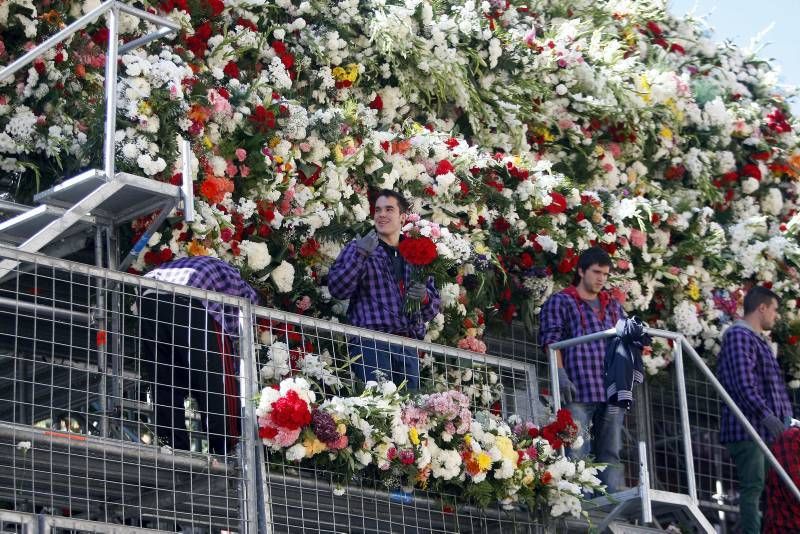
[{"x": 111, "y": 481}]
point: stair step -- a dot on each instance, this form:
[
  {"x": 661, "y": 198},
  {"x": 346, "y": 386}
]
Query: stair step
[
  {"x": 20, "y": 228},
  {"x": 617, "y": 527}
]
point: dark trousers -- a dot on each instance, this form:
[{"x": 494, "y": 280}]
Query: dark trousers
[{"x": 185, "y": 354}]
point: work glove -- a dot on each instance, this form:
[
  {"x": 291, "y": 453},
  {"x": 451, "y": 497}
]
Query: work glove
[
  {"x": 367, "y": 244},
  {"x": 416, "y": 292},
  {"x": 566, "y": 386},
  {"x": 774, "y": 426}
]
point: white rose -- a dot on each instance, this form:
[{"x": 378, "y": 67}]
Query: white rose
[{"x": 283, "y": 277}]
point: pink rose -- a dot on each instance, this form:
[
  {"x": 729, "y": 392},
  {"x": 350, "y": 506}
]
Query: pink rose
[
  {"x": 241, "y": 154},
  {"x": 231, "y": 169},
  {"x": 637, "y": 238},
  {"x": 244, "y": 170}
]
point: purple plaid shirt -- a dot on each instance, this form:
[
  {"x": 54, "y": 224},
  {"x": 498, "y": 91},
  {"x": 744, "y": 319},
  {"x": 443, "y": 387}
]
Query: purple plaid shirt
[
  {"x": 563, "y": 317},
  {"x": 376, "y": 300},
  {"x": 750, "y": 373},
  {"x": 212, "y": 274}
]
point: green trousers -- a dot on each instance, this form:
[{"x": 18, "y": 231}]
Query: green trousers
[{"x": 750, "y": 471}]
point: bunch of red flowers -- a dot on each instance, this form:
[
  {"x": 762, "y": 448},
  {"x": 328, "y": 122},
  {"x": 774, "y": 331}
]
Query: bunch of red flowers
[
  {"x": 418, "y": 251},
  {"x": 562, "y": 432},
  {"x": 290, "y": 412}
]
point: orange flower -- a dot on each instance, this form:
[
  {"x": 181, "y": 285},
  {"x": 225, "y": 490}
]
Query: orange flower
[
  {"x": 199, "y": 114},
  {"x": 794, "y": 165},
  {"x": 215, "y": 187},
  {"x": 51, "y": 17},
  {"x": 195, "y": 248}
]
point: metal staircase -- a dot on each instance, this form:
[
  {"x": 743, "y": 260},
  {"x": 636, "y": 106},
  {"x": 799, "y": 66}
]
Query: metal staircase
[
  {"x": 97, "y": 200},
  {"x": 645, "y": 504}
]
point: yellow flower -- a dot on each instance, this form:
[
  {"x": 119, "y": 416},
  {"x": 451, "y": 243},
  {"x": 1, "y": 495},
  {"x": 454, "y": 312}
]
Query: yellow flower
[
  {"x": 643, "y": 86},
  {"x": 313, "y": 446},
  {"x": 338, "y": 73},
  {"x": 144, "y": 108},
  {"x": 506, "y": 449},
  {"x": 413, "y": 435},
  {"x": 352, "y": 72},
  {"x": 694, "y": 291},
  {"x": 278, "y": 159},
  {"x": 207, "y": 142},
  {"x": 341, "y": 428},
  {"x": 468, "y": 440},
  {"x": 544, "y": 132},
  {"x": 666, "y": 133},
  {"x": 480, "y": 248},
  {"x": 274, "y": 142},
  {"x": 484, "y": 461}
]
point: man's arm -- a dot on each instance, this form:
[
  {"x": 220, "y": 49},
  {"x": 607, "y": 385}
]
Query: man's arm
[{"x": 345, "y": 273}]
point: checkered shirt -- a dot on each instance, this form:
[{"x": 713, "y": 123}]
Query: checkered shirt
[
  {"x": 212, "y": 274},
  {"x": 376, "y": 299},
  {"x": 783, "y": 510},
  {"x": 563, "y": 317},
  {"x": 750, "y": 373}
]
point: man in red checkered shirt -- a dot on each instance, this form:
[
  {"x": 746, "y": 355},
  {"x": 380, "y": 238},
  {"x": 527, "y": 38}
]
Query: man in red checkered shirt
[{"x": 783, "y": 510}]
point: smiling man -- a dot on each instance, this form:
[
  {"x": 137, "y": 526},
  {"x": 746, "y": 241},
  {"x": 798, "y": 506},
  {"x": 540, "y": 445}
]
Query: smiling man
[
  {"x": 372, "y": 274},
  {"x": 580, "y": 309}
]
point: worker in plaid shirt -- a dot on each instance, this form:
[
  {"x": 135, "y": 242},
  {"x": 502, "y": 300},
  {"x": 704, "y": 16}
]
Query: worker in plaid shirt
[
  {"x": 187, "y": 350},
  {"x": 749, "y": 371},
  {"x": 783, "y": 509},
  {"x": 578, "y": 310},
  {"x": 376, "y": 279}
]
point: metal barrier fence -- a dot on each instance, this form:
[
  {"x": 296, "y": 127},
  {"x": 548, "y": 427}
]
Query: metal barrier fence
[
  {"x": 79, "y": 439},
  {"x": 109, "y": 412},
  {"x": 656, "y": 419},
  {"x": 305, "y": 500}
]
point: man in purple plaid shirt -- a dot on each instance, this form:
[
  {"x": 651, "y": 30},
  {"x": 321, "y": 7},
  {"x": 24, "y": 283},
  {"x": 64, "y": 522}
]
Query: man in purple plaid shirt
[
  {"x": 749, "y": 371},
  {"x": 374, "y": 276},
  {"x": 187, "y": 350},
  {"x": 578, "y": 310}
]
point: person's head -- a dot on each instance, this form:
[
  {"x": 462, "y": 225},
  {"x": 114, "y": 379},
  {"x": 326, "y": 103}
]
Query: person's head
[
  {"x": 594, "y": 266},
  {"x": 390, "y": 214},
  {"x": 761, "y": 307}
]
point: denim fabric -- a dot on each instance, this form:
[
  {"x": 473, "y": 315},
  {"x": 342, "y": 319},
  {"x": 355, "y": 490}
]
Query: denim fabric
[
  {"x": 601, "y": 429},
  {"x": 396, "y": 362}
]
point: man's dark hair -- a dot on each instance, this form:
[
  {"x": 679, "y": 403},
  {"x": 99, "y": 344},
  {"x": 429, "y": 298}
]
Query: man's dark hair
[
  {"x": 402, "y": 203},
  {"x": 589, "y": 257},
  {"x": 757, "y": 296}
]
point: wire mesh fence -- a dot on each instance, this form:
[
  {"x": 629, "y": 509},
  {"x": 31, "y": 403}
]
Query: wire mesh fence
[
  {"x": 121, "y": 402},
  {"x": 124, "y": 404}
]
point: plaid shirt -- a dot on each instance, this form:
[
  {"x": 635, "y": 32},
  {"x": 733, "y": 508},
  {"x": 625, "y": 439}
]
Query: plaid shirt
[
  {"x": 565, "y": 317},
  {"x": 212, "y": 274},
  {"x": 376, "y": 299},
  {"x": 750, "y": 373},
  {"x": 783, "y": 511}
]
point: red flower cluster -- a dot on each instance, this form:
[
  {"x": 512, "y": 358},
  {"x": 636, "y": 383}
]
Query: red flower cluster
[
  {"x": 263, "y": 118},
  {"x": 558, "y": 203},
  {"x": 418, "y": 251},
  {"x": 562, "y": 432},
  {"x": 290, "y": 412}
]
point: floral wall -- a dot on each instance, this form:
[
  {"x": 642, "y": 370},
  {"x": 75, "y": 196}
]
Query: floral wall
[{"x": 522, "y": 132}]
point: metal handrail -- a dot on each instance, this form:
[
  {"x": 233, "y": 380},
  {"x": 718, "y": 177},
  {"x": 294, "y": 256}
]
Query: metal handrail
[{"x": 681, "y": 345}]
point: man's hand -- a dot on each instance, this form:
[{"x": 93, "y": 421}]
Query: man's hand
[
  {"x": 416, "y": 292},
  {"x": 368, "y": 243},
  {"x": 566, "y": 386},
  {"x": 774, "y": 426}
]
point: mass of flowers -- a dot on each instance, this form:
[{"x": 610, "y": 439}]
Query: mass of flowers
[
  {"x": 527, "y": 130},
  {"x": 433, "y": 442}
]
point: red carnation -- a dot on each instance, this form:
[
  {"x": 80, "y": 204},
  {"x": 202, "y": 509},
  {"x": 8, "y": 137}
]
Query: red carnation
[
  {"x": 231, "y": 70},
  {"x": 558, "y": 204},
  {"x": 290, "y": 412},
  {"x": 377, "y": 103},
  {"x": 418, "y": 251},
  {"x": 749, "y": 169},
  {"x": 443, "y": 167}
]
